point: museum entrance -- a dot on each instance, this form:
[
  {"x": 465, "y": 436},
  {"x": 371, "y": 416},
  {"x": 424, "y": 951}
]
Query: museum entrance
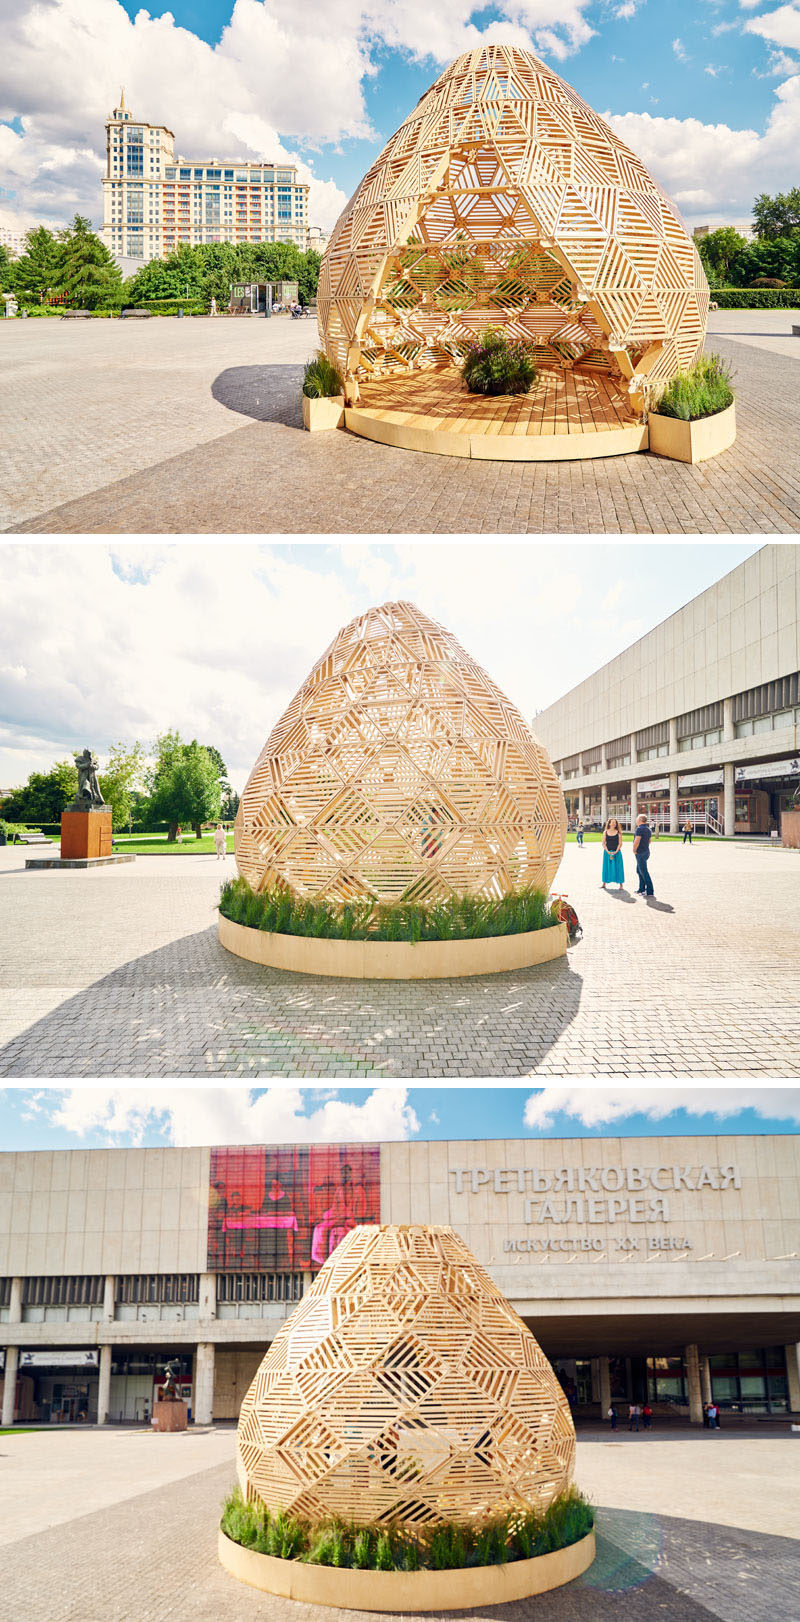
[
  {"x": 750, "y": 1382},
  {"x": 58, "y": 1387}
]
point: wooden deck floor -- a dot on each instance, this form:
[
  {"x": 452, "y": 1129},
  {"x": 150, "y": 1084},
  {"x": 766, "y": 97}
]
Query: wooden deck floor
[{"x": 435, "y": 401}]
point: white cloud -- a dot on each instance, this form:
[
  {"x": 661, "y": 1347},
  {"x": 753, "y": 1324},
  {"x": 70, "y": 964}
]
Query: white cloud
[
  {"x": 679, "y": 50},
  {"x": 215, "y": 1115},
  {"x": 781, "y": 26},
  {"x": 601, "y": 1106}
]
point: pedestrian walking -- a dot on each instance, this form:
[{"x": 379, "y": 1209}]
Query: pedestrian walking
[
  {"x": 213, "y": 306},
  {"x": 688, "y": 830},
  {"x": 612, "y": 1414},
  {"x": 713, "y": 1417},
  {"x": 634, "y": 1415},
  {"x": 579, "y": 834},
  {"x": 220, "y": 842},
  {"x": 613, "y": 870},
  {"x": 647, "y": 1416},
  {"x": 641, "y": 850}
]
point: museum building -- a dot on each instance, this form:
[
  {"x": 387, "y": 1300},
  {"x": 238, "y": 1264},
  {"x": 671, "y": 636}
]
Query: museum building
[
  {"x": 656, "y": 1267},
  {"x": 699, "y": 720}
]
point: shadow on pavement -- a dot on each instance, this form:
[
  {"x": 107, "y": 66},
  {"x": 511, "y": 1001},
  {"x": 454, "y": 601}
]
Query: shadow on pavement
[
  {"x": 621, "y": 895},
  {"x": 658, "y": 906},
  {"x": 193, "y": 1009},
  {"x": 265, "y": 393}
]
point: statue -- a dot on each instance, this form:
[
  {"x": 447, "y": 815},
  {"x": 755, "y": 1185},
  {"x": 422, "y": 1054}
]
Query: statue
[
  {"x": 89, "y": 794},
  {"x": 170, "y": 1390}
]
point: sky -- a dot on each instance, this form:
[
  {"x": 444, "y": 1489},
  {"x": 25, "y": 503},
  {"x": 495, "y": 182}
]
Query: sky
[
  {"x": 706, "y": 91},
  {"x": 124, "y": 1117},
  {"x": 216, "y": 639}
]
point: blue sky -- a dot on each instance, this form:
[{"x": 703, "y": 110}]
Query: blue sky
[
  {"x": 98, "y": 1117},
  {"x": 707, "y": 91},
  {"x": 220, "y": 637}
]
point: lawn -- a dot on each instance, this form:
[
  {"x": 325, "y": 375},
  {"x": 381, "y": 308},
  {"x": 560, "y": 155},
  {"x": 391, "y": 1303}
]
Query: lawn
[
  {"x": 597, "y": 838},
  {"x": 159, "y": 845}
]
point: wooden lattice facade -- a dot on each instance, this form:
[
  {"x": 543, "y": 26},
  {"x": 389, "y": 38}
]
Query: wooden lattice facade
[
  {"x": 400, "y": 770},
  {"x": 504, "y": 200},
  {"x": 404, "y": 1390}
]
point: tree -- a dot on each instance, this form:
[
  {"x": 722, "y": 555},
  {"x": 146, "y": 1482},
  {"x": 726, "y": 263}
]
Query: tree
[
  {"x": 718, "y": 251},
  {"x": 8, "y": 271},
  {"x": 122, "y": 781},
  {"x": 40, "y": 270},
  {"x": 185, "y": 784},
  {"x": 777, "y": 216},
  {"x": 89, "y": 274},
  {"x": 44, "y": 796}
]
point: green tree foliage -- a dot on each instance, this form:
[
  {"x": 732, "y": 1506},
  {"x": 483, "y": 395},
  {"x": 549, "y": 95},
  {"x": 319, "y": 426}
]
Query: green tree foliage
[
  {"x": 718, "y": 252},
  {"x": 44, "y": 796},
  {"x": 210, "y": 270},
  {"x": 185, "y": 784},
  {"x": 40, "y": 270},
  {"x": 122, "y": 781},
  {"x": 8, "y": 276},
  {"x": 777, "y": 216},
  {"x": 88, "y": 273}
]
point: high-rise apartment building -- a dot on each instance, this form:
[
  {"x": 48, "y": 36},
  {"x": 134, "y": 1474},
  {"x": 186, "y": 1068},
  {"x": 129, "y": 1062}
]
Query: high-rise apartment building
[{"x": 154, "y": 201}]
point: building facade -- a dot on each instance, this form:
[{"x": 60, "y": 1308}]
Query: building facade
[
  {"x": 700, "y": 719},
  {"x": 654, "y": 1267},
  {"x": 154, "y": 202}
]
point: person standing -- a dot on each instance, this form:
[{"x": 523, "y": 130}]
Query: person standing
[
  {"x": 220, "y": 842},
  {"x": 633, "y": 1416},
  {"x": 647, "y": 1416},
  {"x": 613, "y": 870},
  {"x": 687, "y": 831},
  {"x": 579, "y": 833},
  {"x": 612, "y": 1414},
  {"x": 641, "y": 850},
  {"x": 713, "y": 1412}
]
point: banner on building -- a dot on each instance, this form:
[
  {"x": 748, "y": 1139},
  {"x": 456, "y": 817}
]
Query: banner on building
[
  {"x": 58, "y": 1360},
  {"x": 285, "y": 1209}
]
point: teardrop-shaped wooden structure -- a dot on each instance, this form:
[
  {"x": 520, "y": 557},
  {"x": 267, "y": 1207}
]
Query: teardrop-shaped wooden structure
[
  {"x": 404, "y": 1390},
  {"x": 504, "y": 200},
  {"x": 400, "y": 770}
]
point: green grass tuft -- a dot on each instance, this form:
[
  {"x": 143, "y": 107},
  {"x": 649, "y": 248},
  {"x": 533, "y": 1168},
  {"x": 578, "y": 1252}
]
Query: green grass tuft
[
  {"x": 700, "y": 392},
  {"x": 495, "y": 364},
  {"x": 459, "y": 918},
  {"x": 321, "y": 381}
]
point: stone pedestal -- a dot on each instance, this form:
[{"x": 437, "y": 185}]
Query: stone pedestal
[
  {"x": 85, "y": 834},
  {"x": 170, "y": 1415}
]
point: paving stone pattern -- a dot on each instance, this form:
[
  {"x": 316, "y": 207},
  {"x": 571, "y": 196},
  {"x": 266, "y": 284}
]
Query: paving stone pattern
[
  {"x": 194, "y": 427},
  {"x": 152, "y": 1558},
  {"x": 119, "y": 972}
]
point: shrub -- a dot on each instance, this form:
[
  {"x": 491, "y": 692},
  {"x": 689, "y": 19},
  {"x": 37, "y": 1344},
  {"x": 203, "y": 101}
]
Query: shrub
[
  {"x": 321, "y": 381},
  {"x": 458, "y": 918},
  {"x": 446, "y": 1547},
  {"x": 497, "y": 365},
  {"x": 700, "y": 392},
  {"x": 757, "y": 298},
  {"x": 768, "y": 281}
]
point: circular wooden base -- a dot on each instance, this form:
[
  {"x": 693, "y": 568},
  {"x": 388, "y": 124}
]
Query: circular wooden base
[
  {"x": 486, "y": 446},
  {"x": 409, "y": 1591},
  {"x": 393, "y": 960}
]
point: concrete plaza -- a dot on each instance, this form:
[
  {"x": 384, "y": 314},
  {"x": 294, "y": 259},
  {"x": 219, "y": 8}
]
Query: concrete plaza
[
  {"x": 118, "y": 972},
  {"x": 120, "y": 1526},
  {"x": 194, "y": 426}
]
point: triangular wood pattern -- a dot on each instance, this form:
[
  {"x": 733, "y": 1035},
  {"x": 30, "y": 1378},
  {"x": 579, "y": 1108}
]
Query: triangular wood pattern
[
  {"x": 499, "y": 158},
  {"x": 399, "y": 768},
  {"x": 404, "y": 1390}
]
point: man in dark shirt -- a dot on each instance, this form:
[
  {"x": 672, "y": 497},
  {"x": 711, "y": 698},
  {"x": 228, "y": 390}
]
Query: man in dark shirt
[{"x": 641, "y": 850}]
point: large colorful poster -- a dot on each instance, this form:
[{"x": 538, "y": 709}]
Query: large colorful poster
[{"x": 284, "y": 1210}]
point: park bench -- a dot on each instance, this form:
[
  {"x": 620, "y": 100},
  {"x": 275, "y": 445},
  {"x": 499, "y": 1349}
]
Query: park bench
[
  {"x": 32, "y": 836},
  {"x": 137, "y": 315},
  {"x": 76, "y": 315}
]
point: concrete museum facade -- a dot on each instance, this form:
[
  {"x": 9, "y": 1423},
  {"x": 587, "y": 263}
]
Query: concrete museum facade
[
  {"x": 654, "y": 1267},
  {"x": 700, "y": 719}
]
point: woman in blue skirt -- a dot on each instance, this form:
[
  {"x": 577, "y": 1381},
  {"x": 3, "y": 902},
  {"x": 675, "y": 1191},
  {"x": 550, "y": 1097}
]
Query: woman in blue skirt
[{"x": 613, "y": 871}]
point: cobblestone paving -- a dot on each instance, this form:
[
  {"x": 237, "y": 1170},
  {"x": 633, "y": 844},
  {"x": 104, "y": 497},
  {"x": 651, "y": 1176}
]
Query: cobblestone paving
[
  {"x": 119, "y": 973},
  {"x": 152, "y": 1558},
  {"x": 210, "y": 441}
]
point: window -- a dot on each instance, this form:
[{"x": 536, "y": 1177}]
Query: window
[
  {"x": 185, "y": 174},
  {"x": 259, "y": 1286},
  {"x": 228, "y": 174},
  {"x": 70, "y": 1290},
  {"x": 136, "y": 1289}
]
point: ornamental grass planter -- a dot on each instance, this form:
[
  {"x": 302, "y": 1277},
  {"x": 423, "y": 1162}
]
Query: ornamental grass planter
[
  {"x": 692, "y": 441},
  {"x": 411, "y": 1592},
  {"x": 323, "y": 414},
  {"x": 393, "y": 960}
]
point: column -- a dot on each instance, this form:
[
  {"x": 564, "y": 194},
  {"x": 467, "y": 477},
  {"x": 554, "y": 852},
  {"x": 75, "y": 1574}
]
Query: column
[
  {"x": 793, "y": 1376},
  {"x": 104, "y": 1386},
  {"x": 634, "y": 805},
  {"x": 692, "y": 1359},
  {"x": 15, "y": 1302},
  {"x": 204, "y": 1383},
  {"x": 208, "y": 1295},
  {"x": 603, "y": 758},
  {"x": 705, "y": 1379},
  {"x": 673, "y": 737},
  {"x": 10, "y": 1385},
  {"x": 580, "y": 802},
  {"x": 727, "y": 720},
  {"x": 605, "y": 1387},
  {"x": 729, "y": 797},
  {"x": 109, "y": 1298},
  {"x": 604, "y": 803},
  {"x": 674, "y": 819}
]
